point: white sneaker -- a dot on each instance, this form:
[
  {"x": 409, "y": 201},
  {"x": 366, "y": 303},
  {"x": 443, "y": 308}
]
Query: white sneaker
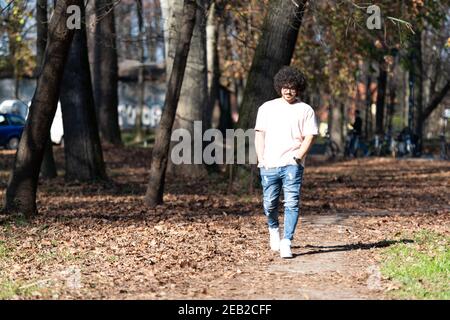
[
  {"x": 285, "y": 248},
  {"x": 274, "y": 239}
]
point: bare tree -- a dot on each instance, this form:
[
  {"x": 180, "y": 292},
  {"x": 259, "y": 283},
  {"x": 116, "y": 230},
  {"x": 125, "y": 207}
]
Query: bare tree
[
  {"x": 194, "y": 92},
  {"x": 105, "y": 72},
  {"x": 212, "y": 54},
  {"x": 155, "y": 188},
  {"x": 82, "y": 148},
  {"x": 381, "y": 96},
  {"x": 141, "y": 79},
  {"x": 22, "y": 185},
  {"x": 48, "y": 168}
]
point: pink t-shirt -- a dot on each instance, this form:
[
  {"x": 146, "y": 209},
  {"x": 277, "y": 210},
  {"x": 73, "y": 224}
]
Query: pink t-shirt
[{"x": 285, "y": 125}]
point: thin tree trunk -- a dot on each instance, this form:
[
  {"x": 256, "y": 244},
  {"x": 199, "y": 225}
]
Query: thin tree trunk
[
  {"x": 419, "y": 94},
  {"x": 225, "y": 120},
  {"x": 381, "y": 97},
  {"x": 48, "y": 168},
  {"x": 194, "y": 91},
  {"x": 106, "y": 72},
  {"x": 275, "y": 49},
  {"x": 42, "y": 31},
  {"x": 367, "y": 113},
  {"x": 141, "y": 80},
  {"x": 22, "y": 185},
  {"x": 336, "y": 120},
  {"x": 16, "y": 82},
  {"x": 392, "y": 103},
  {"x": 405, "y": 95},
  {"x": 213, "y": 73},
  {"x": 212, "y": 35},
  {"x": 13, "y": 47},
  {"x": 155, "y": 188},
  {"x": 82, "y": 148},
  {"x": 155, "y": 31}
]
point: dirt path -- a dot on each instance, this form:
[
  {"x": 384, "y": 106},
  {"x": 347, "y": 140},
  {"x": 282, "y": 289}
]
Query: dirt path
[{"x": 326, "y": 265}]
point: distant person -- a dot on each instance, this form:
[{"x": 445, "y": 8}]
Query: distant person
[
  {"x": 357, "y": 125},
  {"x": 285, "y": 129},
  {"x": 357, "y": 132}
]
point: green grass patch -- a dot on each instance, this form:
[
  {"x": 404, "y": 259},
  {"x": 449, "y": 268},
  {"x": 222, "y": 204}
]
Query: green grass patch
[
  {"x": 4, "y": 251},
  {"x": 129, "y": 136},
  {"x": 420, "y": 269},
  {"x": 11, "y": 289}
]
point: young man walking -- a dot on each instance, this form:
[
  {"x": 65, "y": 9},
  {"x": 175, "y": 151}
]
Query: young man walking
[{"x": 285, "y": 129}]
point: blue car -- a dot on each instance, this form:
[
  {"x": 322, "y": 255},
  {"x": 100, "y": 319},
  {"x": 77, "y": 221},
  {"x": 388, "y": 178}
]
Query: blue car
[{"x": 11, "y": 127}]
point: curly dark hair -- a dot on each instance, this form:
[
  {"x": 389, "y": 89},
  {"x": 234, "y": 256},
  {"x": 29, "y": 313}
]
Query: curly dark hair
[{"x": 289, "y": 77}]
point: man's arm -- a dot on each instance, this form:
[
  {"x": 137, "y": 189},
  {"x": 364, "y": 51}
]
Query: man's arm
[
  {"x": 259, "y": 145},
  {"x": 306, "y": 145}
]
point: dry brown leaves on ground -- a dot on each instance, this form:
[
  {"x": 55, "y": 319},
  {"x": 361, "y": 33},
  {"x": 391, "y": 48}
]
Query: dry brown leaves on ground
[{"x": 99, "y": 240}]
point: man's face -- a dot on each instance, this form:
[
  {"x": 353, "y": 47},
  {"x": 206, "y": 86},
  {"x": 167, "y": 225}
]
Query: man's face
[{"x": 289, "y": 94}]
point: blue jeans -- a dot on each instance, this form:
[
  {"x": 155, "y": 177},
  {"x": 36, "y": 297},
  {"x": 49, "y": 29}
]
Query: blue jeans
[
  {"x": 354, "y": 145},
  {"x": 290, "y": 178}
]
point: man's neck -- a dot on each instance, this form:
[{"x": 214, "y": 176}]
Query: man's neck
[{"x": 294, "y": 101}]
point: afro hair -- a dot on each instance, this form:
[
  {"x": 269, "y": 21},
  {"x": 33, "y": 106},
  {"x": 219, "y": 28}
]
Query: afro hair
[{"x": 289, "y": 77}]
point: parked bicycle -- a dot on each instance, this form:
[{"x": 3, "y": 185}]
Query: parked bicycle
[
  {"x": 383, "y": 145},
  {"x": 406, "y": 143}
]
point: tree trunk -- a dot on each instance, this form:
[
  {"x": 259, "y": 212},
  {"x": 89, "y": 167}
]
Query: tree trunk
[
  {"x": 22, "y": 185},
  {"x": 418, "y": 66},
  {"x": 42, "y": 31},
  {"x": 141, "y": 80},
  {"x": 381, "y": 97},
  {"x": 16, "y": 82},
  {"x": 368, "y": 110},
  {"x": 225, "y": 121},
  {"x": 213, "y": 74},
  {"x": 155, "y": 31},
  {"x": 337, "y": 121},
  {"x": 212, "y": 55},
  {"x": 155, "y": 188},
  {"x": 48, "y": 168},
  {"x": 82, "y": 148},
  {"x": 194, "y": 91},
  {"x": 405, "y": 100},
  {"x": 275, "y": 49},
  {"x": 106, "y": 72},
  {"x": 391, "y": 107}
]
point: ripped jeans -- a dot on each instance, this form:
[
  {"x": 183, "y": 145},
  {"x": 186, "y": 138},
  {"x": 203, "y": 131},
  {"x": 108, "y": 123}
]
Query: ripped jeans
[{"x": 290, "y": 178}]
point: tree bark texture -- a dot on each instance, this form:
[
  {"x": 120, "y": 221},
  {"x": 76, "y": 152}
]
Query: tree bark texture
[
  {"x": 48, "y": 168},
  {"x": 22, "y": 185},
  {"x": 105, "y": 75},
  {"x": 381, "y": 97},
  {"x": 155, "y": 188},
  {"x": 82, "y": 148},
  {"x": 194, "y": 91}
]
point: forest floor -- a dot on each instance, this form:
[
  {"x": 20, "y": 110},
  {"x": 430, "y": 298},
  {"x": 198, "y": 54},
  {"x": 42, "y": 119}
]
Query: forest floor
[{"x": 98, "y": 241}]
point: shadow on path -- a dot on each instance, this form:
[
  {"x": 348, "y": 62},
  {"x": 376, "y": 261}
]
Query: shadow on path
[{"x": 349, "y": 247}]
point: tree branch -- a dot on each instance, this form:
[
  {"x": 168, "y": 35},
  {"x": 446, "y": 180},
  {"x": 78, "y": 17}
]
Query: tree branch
[{"x": 436, "y": 100}]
